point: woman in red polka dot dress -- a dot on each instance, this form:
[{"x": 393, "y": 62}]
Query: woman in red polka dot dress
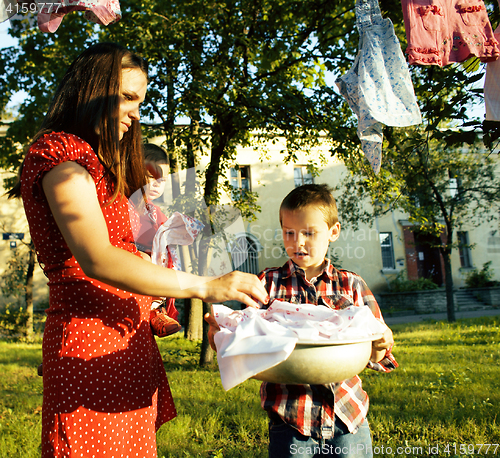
[{"x": 105, "y": 389}]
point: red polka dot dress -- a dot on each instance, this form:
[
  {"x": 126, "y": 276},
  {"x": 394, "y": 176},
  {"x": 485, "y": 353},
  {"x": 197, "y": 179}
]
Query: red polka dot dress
[{"x": 105, "y": 391}]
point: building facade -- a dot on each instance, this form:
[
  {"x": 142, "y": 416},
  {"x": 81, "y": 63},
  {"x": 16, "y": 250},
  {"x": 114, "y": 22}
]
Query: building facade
[
  {"x": 391, "y": 245},
  {"x": 378, "y": 252}
]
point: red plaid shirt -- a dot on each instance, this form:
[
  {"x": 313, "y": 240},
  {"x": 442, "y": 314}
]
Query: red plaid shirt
[{"x": 312, "y": 408}]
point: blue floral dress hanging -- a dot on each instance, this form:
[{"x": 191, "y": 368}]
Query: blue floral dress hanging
[{"x": 378, "y": 87}]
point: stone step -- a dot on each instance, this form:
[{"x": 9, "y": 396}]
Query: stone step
[{"x": 465, "y": 300}]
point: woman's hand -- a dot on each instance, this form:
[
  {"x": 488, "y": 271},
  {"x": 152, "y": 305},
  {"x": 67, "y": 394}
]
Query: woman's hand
[
  {"x": 380, "y": 346},
  {"x": 237, "y": 286}
]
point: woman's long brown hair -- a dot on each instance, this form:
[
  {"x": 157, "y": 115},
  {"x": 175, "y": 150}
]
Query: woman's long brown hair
[{"x": 86, "y": 104}]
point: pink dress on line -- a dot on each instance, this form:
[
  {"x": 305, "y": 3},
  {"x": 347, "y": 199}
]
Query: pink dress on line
[
  {"x": 105, "y": 389},
  {"x": 102, "y": 12},
  {"x": 443, "y": 31}
]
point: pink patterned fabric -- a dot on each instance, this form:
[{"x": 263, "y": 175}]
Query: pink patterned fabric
[
  {"x": 443, "y": 31},
  {"x": 492, "y": 87},
  {"x": 50, "y": 15}
]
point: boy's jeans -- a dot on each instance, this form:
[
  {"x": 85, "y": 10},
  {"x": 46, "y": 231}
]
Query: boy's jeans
[{"x": 287, "y": 442}]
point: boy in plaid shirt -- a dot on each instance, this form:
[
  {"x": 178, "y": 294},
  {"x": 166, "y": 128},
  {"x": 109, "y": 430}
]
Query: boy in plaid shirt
[{"x": 319, "y": 420}]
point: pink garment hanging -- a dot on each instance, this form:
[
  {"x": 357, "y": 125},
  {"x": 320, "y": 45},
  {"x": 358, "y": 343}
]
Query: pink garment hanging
[
  {"x": 443, "y": 31},
  {"x": 50, "y": 15},
  {"x": 492, "y": 87}
]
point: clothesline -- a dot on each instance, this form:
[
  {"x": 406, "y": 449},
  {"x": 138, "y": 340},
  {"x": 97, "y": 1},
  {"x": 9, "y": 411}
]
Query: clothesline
[{"x": 378, "y": 87}]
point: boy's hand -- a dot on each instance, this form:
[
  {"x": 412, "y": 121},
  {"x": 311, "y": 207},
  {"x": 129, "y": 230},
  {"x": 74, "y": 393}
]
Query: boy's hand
[
  {"x": 380, "y": 346},
  {"x": 214, "y": 327}
]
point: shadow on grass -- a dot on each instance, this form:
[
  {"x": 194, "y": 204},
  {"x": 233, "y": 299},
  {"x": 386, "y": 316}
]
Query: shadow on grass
[{"x": 180, "y": 354}]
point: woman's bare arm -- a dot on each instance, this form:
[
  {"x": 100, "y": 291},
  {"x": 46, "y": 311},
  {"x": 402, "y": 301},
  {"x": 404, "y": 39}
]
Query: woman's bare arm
[{"x": 72, "y": 197}]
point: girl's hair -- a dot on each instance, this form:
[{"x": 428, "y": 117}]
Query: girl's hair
[
  {"x": 86, "y": 104},
  {"x": 154, "y": 156},
  {"x": 317, "y": 195}
]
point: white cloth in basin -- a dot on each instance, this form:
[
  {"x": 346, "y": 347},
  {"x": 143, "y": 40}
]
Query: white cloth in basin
[{"x": 252, "y": 340}]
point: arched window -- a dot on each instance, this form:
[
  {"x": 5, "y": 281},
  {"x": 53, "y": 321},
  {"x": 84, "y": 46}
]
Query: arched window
[{"x": 245, "y": 253}]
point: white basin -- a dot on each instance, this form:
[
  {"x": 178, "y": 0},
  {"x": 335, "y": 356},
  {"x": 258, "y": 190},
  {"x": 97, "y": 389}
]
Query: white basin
[{"x": 319, "y": 363}]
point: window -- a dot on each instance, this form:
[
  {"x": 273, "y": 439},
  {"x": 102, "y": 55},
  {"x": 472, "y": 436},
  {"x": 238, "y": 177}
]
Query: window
[
  {"x": 455, "y": 185},
  {"x": 493, "y": 242},
  {"x": 302, "y": 176},
  {"x": 240, "y": 180},
  {"x": 464, "y": 249},
  {"x": 387, "y": 250},
  {"x": 245, "y": 254}
]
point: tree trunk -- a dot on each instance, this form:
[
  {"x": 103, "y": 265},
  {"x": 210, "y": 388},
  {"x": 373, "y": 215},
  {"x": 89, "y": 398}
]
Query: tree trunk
[
  {"x": 193, "y": 328},
  {"x": 206, "y": 354},
  {"x": 29, "y": 290},
  {"x": 193, "y": 310},
  {"x": 194, "y": 324},
  {"x": 450, "y": 300},
  {"x": 220, "y": 138}
]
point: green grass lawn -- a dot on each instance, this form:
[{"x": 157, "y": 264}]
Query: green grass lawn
[{"x": 442, "y": 401}]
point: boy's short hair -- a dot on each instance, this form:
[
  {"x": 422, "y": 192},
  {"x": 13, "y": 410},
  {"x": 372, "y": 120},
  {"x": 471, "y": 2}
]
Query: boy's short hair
[
  {"x": 154, "y": 156},
  {"x": 319, "y": 195}
]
